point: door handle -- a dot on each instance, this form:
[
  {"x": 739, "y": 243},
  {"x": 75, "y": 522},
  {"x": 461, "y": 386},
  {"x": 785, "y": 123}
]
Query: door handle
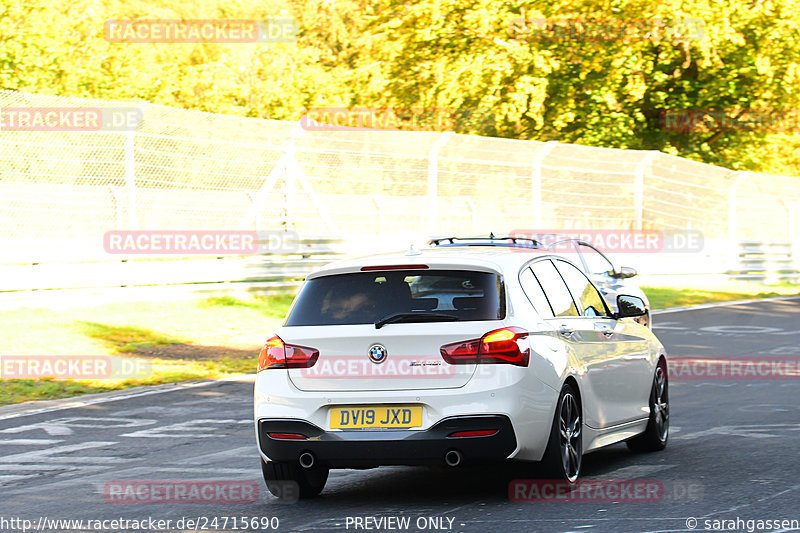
[
  {"x": 608, "y": 332},
  {"x": 565, "y": 331}
]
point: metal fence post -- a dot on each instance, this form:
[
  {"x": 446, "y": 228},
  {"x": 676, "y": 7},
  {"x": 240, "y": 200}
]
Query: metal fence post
[
  {"x": 791, "y": 233},
  {"x": 380, "y": 212},
  {"x": 433, "y": 181},
  {"x": 473, "y": 215},
  {"x": 252, "y": 214},
  {"x": 290, "y": 179},
  {"x": 283, "y": 170},
  {"x": 733, "y": 222},
  {"x": 793, "y": 239},
  {"x": 536, "y": 182},
  {"x": 130, "y": 177},
  {"x": 638, "y": 189},
  {"x": 787, "y": 209},
  {"x": 295, "y": 176}
]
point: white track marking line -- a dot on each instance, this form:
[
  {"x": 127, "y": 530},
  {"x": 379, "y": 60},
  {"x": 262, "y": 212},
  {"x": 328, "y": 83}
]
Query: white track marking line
[
  {"x": 199, "y": 428},
  {"x": 47, "y": 455},
  {"x": 73, "y": 403},
  {"x": 210, "y": 458},
  {"x": 29, "y": 442}
]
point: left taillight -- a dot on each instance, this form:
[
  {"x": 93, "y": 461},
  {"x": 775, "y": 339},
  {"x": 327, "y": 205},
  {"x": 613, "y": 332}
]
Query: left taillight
[
  {"x": 287, "y": 436},
  {"x": 278, "y": 354},
  {"x": 501, "y": 346}
]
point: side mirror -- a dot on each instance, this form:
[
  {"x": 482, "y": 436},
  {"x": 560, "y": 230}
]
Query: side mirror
[
  {"x": 629, "y": 306},
  {"x": 624, "y": 272}
]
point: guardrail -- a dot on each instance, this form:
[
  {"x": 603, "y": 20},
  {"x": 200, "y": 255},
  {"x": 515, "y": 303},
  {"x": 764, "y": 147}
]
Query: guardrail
[
  {"x": 53, "y": 281},
  {"x": 274, "y": 270},
  {"x": 767, "y": 262}
]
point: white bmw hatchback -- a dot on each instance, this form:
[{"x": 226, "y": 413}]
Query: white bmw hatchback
[{"x": 454, "y": 355}]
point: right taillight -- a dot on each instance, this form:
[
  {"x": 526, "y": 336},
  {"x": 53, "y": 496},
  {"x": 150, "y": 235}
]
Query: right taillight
[
  {"x": 501, "y": 346},
  {"x": 277, "y": 354}
]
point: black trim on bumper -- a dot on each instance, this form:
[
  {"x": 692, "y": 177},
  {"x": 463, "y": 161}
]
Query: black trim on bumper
[{"x": 368, "y": 448}]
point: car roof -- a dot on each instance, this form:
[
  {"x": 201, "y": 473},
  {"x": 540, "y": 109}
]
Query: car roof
[{"x": 485, "y": 258}]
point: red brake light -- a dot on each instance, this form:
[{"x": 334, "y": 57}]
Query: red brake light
[
  {"x": 475, "y": 433},
  {"x": 501, "y": 346},
  {"x": 277, "y": 354},
  {"x": 300, "y": 356},
  {"x": 461, "y": 353},
  {"x": 507, "y": 345},
  {"x": 272, "y": 354}
]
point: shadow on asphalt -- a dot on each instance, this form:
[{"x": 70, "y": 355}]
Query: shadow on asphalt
[{"x": 408, "y": 485}]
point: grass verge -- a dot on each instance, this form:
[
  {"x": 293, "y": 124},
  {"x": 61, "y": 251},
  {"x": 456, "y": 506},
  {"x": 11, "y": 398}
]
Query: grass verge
[
  {"x": 179, "y": 341},
  {"x": 665, "y": 296}
]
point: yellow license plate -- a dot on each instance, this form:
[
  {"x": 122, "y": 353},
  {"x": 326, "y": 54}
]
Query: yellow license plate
[{"x": 360, "y": 417}]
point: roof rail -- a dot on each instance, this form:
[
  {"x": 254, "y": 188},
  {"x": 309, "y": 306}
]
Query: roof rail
[
  {"x": 574, "y": 239},
  {"x": 491, "y": 240}
]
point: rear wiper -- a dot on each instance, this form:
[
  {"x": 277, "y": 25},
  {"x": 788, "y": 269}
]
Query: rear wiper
[{"x": 414, "y": 317}]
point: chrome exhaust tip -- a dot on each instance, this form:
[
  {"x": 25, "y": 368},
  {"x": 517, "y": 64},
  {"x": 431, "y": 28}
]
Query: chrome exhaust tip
[
  {"x": 307, "y": 459},
  {"x": 453, "y": 458}
]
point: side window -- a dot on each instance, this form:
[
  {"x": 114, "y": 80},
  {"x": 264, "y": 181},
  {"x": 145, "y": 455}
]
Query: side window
[
  {"x": 582, "y": 290},
  {"x": 594, "y": 260},
  {"x": 534, "y": 292},
  {"x": 560, "y": 300}
]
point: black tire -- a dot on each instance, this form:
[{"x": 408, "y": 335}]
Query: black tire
[
  {"x": 290, "y": 481},
  {"x": 564, "y": 455},
  {"x": 655, "y": 437}
]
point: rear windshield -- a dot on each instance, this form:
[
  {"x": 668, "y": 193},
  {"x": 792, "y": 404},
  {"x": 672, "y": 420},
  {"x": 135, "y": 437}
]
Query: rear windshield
[{"x": 366, "y": 297}]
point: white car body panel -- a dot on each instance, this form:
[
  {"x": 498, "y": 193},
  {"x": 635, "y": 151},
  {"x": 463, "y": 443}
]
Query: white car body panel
[
  {"x": 613, "y": 371},
  {"x": 342, "y": 365}
]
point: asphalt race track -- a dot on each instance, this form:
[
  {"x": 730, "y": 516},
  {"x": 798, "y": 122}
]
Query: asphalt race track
[{"x": 733, "y": 454}]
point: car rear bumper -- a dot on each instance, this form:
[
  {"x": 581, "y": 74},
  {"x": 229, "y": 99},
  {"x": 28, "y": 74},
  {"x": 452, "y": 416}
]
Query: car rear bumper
[{"x": 368, "y": 448}]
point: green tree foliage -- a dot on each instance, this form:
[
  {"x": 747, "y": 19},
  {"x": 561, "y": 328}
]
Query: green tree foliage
[
  {"x": 619, "y": 74},
  {"x": 629, "y": 74}
]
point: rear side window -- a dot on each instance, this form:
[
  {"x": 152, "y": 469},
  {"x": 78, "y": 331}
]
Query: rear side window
[
  {"x": 555, "y": 289},
  {"x": 366, "y": 297},
  {"x": 534, "y": 292},
  {"x": 582, "y": 290},
  {"x": 595, "y": 261}
]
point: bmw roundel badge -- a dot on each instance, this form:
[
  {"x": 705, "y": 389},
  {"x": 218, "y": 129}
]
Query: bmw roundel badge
[{"x": 377, "y": 353}]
